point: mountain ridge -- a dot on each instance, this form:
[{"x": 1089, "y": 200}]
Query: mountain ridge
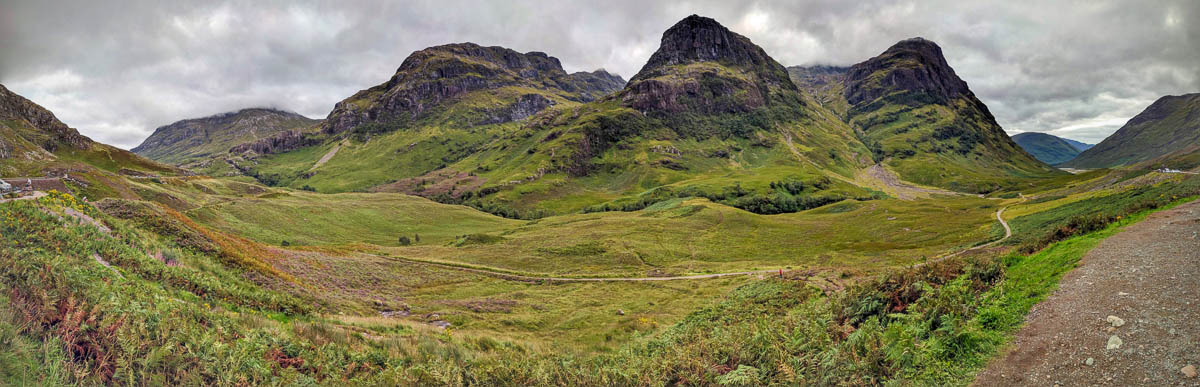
[
  {"x": 1169, "y": 125},
  {"x": 1048, "y": 148}
]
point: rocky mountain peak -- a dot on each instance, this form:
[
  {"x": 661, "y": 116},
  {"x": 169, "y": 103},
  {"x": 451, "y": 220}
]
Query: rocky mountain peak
[
  {"x": 915, "y": 65},
  {"x": 701, "y": 39}
]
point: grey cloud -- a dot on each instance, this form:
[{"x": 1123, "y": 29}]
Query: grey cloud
[{"x": 116, "y": 70}]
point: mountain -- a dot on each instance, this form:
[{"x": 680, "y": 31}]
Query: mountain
[
  {"x": 199, "y": 139},
  {"x": 1169, "y": 125},
  {"x": 493, "y": 84},
  {"x": 1080, "y": 146},
  {"x": 514, "y": 134},
  {"x": 34, "y": 143},
  {"x": 1049, "y": 149},
  {"x": 921, "y": 119}
]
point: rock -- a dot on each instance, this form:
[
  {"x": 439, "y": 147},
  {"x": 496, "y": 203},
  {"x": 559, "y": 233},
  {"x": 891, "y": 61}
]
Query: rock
[
  {"x": 278, "y": 143},
  {"x": 1116, "y": 322},
  {"x": 1114, "y": 342},
  {"x": 1089, "y": 361},
  {"x": 431, "y": 77},
  {"x": 925, "y": 71},
  {"x": 667, "y": 84},
  {"x": 16, "y": 107},
  {"x": 1188, "y": 371},
  {"x": 620, "y": 312}
]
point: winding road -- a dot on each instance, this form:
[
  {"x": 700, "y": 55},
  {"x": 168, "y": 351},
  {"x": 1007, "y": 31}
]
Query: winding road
[{"x": 499, "y": 273}]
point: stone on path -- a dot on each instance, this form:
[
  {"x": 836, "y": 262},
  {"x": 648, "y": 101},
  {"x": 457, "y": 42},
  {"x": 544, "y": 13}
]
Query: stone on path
[
  {"x": 1116, "y": 322},
  {"x": 1189, "y": 371},
  {"x": 1114, "y": 342},
  {"x": 1089, "y": 361}
]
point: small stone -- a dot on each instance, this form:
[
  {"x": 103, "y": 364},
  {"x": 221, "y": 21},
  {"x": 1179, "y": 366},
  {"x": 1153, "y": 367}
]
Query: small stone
[
  {"x": 1089, "y": 361},
  {"x": 1188, "y": 371},
  {"x": 1116, "y": 322},
  {"x": 1114, "y": 342},
  {"x": 620, "y": 312}
]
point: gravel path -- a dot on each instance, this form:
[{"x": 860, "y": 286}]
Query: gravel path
[
  {"x": 1148, "y": 278},
  {"x": 35, "y": 195}
]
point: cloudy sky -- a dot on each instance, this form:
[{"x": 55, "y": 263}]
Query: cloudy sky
[{"x": 116, "y": 70}]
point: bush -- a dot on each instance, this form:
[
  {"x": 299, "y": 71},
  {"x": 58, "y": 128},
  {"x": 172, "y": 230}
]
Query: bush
[{"x": 404, "y": 241}]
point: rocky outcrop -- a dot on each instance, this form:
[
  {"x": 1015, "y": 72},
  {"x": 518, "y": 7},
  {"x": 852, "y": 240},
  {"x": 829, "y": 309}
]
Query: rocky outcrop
[
  {"x": 703, "y": 67},
  {"x": 281, "y": 142},
  {"x": 913, "y": 65},
  {"x": 16, "y": 107},
  {"x": 5, "y": 150},
  {"x": 525, "y": 106},
  {"x": 700, "y": 39},
  {"x": 432, "y": 77},
  {"x": 596, "y": 84}
]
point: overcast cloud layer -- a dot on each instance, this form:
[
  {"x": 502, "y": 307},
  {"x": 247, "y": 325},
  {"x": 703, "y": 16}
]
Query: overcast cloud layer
[{"x": 116, "y": 70}]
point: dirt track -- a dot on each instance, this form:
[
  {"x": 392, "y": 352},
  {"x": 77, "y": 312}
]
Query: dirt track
[{"x": 1148, "y": 276}]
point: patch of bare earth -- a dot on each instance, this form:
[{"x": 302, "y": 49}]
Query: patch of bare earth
[
  {"x": 1148, "y": 278},
  {"x": 888, "y": 182}
]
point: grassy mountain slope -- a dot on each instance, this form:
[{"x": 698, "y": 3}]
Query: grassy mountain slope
[
  {"x": 1047, "y": 148},
  {"x": 34, "y": 143},
  {"x": 201, "y": 139},
  {"x": 1170, "y": 124},
  {"x": 920, "y": 119}
]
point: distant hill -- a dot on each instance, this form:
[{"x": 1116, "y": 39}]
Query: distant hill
[
  {"x": 1081, "y": 146},
  {"x": 1169, "y": 125},
  {"x": 198, "y": 139},
  {"x": 921, "y": 119},
  {"x": 34, "y": 143},
  {"x": 1048, "y": 148}
]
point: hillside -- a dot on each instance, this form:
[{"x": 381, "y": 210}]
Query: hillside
[
  {"x": 921, "y": 119},
  {"x": 34, "y": 143},
  {"x": 200, "y": 139},
  {"x": 1047, "y": 148},
  {"x": 1169, "y": 125},
  {"x": 1081, "y": 146}
]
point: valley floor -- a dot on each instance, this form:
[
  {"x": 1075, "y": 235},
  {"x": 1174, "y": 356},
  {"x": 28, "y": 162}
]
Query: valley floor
[{"x": 1148, "y": 277}]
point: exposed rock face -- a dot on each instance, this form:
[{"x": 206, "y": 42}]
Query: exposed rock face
[
  {"x": 703, "y": 67},
  {"x": 281, "y": 142},
  {"x": 819, "y": 76},
  {"x": 16, "y": 107},
  {"x": 431, "y": 77},
  {"x": 5, "y": 150},
  {"x": 201, "y": 137},
  {"x": 525, "y": 106},
  {"x": 701, "y": 39},
  {"x": 914, "y": 65},
  {"x": 591, "y": 86}
]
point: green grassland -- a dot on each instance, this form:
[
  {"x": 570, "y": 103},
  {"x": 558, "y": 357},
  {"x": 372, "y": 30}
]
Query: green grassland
[{"x": 681, "y": 235}]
